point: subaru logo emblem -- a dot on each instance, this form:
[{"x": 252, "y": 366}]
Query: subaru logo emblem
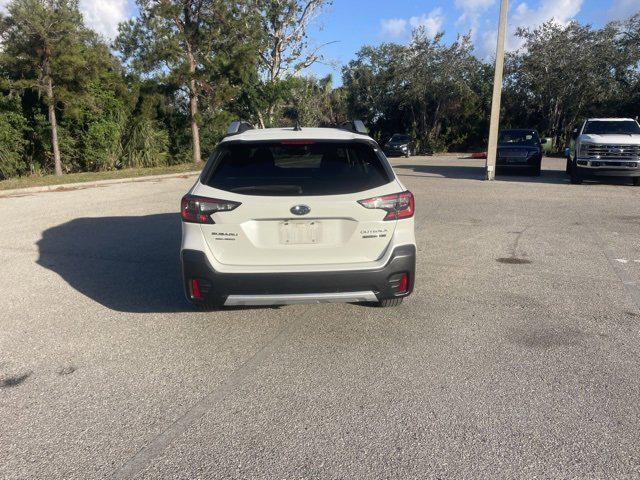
[
  {"x": 617, "y": 150},
  {"x": 300, "y": 210}
]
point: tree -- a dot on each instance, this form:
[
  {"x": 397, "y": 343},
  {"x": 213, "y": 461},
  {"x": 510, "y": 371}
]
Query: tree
[
  {"x": 13, "y": 126},
  {"x": 43, "y": 43},
  {"x": 285, "y": 49},
  {"x": 432, "y": 90},
  {"x": 551, "y": 87},
  {"x": 189, "y": 41},
  {"x": 315, "y": 103}
]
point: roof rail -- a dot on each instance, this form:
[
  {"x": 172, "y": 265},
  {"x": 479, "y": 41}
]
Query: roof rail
[
  {"x": 355, "y": 126},
  {"x": 238, "y": 126}
]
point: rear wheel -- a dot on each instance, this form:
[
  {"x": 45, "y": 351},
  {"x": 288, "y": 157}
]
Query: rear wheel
[
  {"x": 389, "y": 302},
  {"x": 206, "y": 307},
  {"x": 636, "y": 181}
]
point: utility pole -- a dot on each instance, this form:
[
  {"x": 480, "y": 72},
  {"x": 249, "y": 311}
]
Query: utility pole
[{"x": 492, "y": 150}]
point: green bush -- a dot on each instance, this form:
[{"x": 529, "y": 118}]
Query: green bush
[
  {"x": 145, "y": 145},
  {"x": 13, "y": 126},
  {"x": 102, "y": 146}
]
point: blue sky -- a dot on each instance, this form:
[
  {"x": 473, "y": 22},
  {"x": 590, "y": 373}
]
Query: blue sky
[{"x": 354, "y": 23}]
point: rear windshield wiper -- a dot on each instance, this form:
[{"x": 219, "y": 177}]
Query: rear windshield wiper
[{"x": 268, "y": 188}]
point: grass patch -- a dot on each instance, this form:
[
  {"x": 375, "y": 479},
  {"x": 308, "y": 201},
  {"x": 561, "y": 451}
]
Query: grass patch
[{"x": 25, "y": 182}]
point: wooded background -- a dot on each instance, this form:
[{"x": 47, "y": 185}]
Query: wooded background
[{"x": 165, "y": 91}]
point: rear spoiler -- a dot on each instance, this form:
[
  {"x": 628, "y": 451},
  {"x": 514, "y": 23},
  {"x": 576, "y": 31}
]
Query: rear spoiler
[
  {"x": 237, "y": 127},
  {"x": 355, "y": 126}
]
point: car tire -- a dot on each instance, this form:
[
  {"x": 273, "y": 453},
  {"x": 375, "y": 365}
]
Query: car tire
[
  {"x": 389, "y": 302},
  {"x": 206, "y": 307},
  {"x": 576, "y": 178},
  {"x": 636, "y": 181},
  {"x": 537, "y": 170}
]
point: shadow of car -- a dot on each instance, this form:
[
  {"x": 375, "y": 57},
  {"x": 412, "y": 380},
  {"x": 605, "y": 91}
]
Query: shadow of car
[{"x": 129, "y": 264}]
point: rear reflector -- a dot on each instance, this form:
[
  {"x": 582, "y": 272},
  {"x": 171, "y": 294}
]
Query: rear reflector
[
  {"x": 404, "y": 283},
  {"x": 195, "y": 288},
  {"x": 195, "y": 209},
  {"x": 399, "y": 283},
  {"x": 398, "y": 205}
]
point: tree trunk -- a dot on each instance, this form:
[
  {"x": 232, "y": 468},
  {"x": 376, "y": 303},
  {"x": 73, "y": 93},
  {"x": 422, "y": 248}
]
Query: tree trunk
[
  {"x": 435, "y": 127},
  {"x": 260, "y": 119},
  {"x": 193, "y": 110},
  {"x": 54, "y": 127},
  {"x": 270, "y": 114},
  {"x": 195, "y": 131}
]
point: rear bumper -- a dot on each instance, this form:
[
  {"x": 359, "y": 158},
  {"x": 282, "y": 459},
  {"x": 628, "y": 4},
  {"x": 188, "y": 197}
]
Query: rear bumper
[{"x": 307, "y": 287}]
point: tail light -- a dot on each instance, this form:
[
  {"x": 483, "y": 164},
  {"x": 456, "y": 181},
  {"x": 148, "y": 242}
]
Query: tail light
[
  {"x": 195, "y": 209},
  {"x": 397, "y": 205}
]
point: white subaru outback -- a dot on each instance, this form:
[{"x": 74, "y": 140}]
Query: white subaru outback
[{"x": 297, "y": 215}]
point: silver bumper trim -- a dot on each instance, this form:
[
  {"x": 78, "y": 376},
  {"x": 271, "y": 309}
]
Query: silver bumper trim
[
  {"x": 300, "y": 298},
  {"x": 622, "y": 164}
]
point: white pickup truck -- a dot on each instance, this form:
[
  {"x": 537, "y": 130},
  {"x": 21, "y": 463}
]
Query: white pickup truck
[{"x": 605, "y": 147}]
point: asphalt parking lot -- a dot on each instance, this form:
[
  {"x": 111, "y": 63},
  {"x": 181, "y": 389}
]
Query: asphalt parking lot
[{"x": 517, "y": 356}]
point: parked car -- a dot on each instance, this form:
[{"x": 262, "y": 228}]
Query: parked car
[
  {"x": 302, "y": 215},
  {"x": 605, "y": 147},
  {"x": 400, "y": 145},
  {"x": 521, "y": 149}
]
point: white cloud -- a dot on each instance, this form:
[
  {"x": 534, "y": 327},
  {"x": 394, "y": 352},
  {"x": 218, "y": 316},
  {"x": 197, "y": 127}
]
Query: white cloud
[
  {"x": 101, "y": 15},
  {"x": 471, "y": 9},
  {"x": 104, "y": 15},
  {"x": 560, "y": 11},
  {"x": 523, "y": 16},
  {"x": 396, "y": 27},
  {"x": 485, "y": 46},
  {"x": 393, "y": 27},
  {"x": 623, "y": 9},
  {"x": 432, "y": 23}
]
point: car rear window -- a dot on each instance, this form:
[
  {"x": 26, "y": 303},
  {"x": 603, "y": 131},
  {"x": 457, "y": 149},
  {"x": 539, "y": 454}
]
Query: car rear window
[{"x": 296, "y": 168}]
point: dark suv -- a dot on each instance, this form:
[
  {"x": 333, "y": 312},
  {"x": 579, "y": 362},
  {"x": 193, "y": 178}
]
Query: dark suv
[
  {"x": 400, "y": 145},
  {"x": 520, "y": 148}
]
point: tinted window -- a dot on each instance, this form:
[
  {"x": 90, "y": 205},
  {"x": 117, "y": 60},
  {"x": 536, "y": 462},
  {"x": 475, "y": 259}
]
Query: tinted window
[
  {"x": 611, "y": 128},
  {"x": 315, "y": 168},
  {"x": 397, "y": 138},
  {"x": 518, "y": 138}
]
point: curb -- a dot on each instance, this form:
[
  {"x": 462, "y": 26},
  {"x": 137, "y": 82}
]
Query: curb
[{"x": 82, "y": 185}]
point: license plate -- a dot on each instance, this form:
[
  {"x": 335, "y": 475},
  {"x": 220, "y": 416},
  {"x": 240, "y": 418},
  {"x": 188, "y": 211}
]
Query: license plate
[{"x": 299, "y": 232}]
